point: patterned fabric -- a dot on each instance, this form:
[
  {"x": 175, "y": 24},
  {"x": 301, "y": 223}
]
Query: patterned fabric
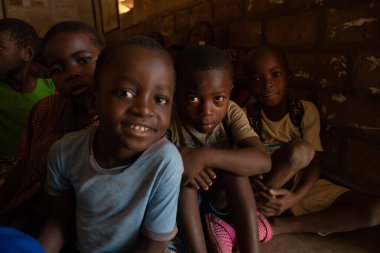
[{"x": 40, "y": 134}]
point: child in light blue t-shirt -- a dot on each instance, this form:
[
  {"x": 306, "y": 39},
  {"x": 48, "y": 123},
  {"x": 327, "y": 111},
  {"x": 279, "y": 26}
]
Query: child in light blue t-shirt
[{"x": 124, "y": 174}]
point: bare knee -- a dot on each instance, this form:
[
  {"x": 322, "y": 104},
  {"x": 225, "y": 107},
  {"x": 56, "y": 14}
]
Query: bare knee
[
  {"x": 373, "y": 212},
  {"x": 300, "y": 154}
]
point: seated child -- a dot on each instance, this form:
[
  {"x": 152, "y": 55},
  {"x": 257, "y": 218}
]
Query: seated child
[
  {"x": 203, "y": 33},
  {"x": 70, "y": 50},
  {"x": 122, "y": 177},
  {"x": 294, "y": 143},
  {"x": 19, "y": 89},
  {"x": 219, "y": 149}
]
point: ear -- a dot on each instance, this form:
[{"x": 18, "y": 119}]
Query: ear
[
  {"x": 90, "y": 102},
  {"x": 27, "y": 53}
]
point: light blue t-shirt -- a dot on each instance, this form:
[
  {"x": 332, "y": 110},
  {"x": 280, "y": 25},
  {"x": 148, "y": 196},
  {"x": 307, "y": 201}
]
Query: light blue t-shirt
[{"x": 114, "y": 206}]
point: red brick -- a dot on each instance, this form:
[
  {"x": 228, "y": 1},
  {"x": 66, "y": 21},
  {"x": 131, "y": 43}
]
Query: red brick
[
  {"x": 292, "y": 30},
  {"x": 323, "y": 69},
  {"x": 355, "y": 24},
  {"x": 227, "y": 9},
  {"x": 245, "y": 34},
  {"x": 368, "y": 77}
]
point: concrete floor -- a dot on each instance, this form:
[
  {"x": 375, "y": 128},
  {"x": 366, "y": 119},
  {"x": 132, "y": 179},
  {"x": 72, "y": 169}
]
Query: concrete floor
[{"x": 361, "y": 241}]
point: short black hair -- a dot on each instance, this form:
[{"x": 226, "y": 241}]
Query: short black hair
[
  {"x": 263, "y": 50},
  {"x": 203, "y": 23},
  {"x": 111, "y": 51},
  {"x": 200, "y": 58},
  {"x": 74, "y": 26},
  {"x": 21, "y": 32}
]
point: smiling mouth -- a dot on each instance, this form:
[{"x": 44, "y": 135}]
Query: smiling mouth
[
  {"x": 139, "y": 128},
  {"x": 271, "y": 94}
]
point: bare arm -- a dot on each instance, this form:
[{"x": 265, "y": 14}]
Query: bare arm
[
  {"x": 147, "y": 245},
  {"x": 59, "y": 225},
  {"x": 250, "y": 159},
  {"x": 272, "y": 202}
]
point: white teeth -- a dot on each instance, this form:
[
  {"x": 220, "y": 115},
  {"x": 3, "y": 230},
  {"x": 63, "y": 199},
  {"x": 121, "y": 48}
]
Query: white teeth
[{"x": 139, "y": 128}]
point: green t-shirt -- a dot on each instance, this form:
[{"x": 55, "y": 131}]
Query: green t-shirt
[{"x": 14, "y": 110}]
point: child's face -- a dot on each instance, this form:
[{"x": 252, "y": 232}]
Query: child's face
[
  {"x": 201, "y": 35},
  {"x": 11, "y": 57},
  {"x": 269, "y": 80},
  {"x": 134, "y": 98},
  {"x": 71, "y": 58},
  {"x": 203, "y": 101}
]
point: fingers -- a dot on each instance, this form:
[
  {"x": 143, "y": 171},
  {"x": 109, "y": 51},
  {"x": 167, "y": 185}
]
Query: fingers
[
  {"x": 210, "y": 172},
  {"x": 193, "y": 184},
  {"x": 201, "y": 182}
]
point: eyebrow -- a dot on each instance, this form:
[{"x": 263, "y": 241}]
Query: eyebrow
[
  {"x": 55, "y": 61},
  {"x": 159, "y": 87},
  {"x": 129, "y": 79}
]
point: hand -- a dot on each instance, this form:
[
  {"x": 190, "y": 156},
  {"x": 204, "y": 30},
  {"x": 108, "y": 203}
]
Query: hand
[
  {"x": 195, "y": 174},
  {"x": 275, "y": 202},
  {"x": 257, "y": 184}
]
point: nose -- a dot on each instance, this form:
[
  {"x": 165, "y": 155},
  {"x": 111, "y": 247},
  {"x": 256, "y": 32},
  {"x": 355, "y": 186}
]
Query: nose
[
  {"x": 72, "y": 72},
  {"x": 205, "y": 108},
  {"x": 267, "y": 82},
  {"x": 143, "y": 106}
]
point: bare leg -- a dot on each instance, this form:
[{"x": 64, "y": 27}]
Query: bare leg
[
  {"x": 242, "y": 204},
  {"x": 350, "y": 211},
  {"x": 189, "y": 221},
  {"x": 287, "y": 161}
]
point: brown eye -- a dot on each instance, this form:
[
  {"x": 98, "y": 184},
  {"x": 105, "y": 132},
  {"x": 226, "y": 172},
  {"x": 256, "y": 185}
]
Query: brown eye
[
  {"x": 193, "y": 99},
  {"x": 161, "y": 100},
  {"x": 125, "y": 94},
  {"x": 276, "y": 74}
]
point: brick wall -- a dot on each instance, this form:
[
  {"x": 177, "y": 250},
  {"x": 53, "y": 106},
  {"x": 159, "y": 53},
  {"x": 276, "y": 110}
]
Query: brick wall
[{"x": 333, "y": 49}]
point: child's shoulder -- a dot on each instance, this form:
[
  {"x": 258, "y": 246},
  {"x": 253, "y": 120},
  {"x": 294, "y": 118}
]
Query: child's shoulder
[
  {"x": 309, "y": 107},
  {"x": 164, "y": 148},
  {"x": 45, "y": 83},
  {"x": 75, "y": 140},
  {"x": 163, "y": 155}
]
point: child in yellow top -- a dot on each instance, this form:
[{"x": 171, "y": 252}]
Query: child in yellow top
[{"x": 293, "y": 183}]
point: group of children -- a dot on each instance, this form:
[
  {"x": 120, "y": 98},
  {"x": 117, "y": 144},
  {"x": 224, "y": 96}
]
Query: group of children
[{"x": 133, "y": 136}]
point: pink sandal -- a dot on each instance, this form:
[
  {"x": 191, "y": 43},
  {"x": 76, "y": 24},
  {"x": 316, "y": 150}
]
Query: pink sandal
[
  {"x": 221, "y": 234},
  {"x": 264, "y": 228}
]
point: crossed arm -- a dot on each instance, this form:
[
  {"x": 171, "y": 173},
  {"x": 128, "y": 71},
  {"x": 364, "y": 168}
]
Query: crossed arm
[{"x": 248, "y": 159}]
